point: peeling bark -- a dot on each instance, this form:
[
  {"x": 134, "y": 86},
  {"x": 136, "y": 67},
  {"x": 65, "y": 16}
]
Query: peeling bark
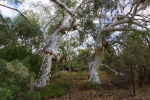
[
  {"x": 47, "y": 61},
  {"x": 94, "y": 70},
  {"x": 50, "y": 52},
  {"x": 66, "y": 24}
]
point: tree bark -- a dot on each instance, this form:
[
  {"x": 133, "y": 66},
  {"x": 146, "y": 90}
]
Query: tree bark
[
  {"x": 50, "y": 51},
  {"x": 94, "y": 70},
  {"x": 47, "y": 61}
]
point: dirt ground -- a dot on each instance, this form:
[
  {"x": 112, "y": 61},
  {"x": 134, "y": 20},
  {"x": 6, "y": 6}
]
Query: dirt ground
[{"x": 108, "y": 94}]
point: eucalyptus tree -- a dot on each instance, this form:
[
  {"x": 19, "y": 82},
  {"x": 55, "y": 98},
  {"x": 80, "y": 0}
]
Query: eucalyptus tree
[
  {"x": 112, "y": 16},
  {"x": 66, "y": 24},
  {"x": 119, "y": 24},
  {"x": 50, "y": 40},
  {"x": 117, "y": 15}
]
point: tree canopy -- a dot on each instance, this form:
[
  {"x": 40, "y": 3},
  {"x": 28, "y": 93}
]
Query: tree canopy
[{"x": 78, "y": 36}]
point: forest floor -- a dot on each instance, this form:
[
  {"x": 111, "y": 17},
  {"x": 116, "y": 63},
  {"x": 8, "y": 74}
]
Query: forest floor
[{"x": 107, "y": 92}]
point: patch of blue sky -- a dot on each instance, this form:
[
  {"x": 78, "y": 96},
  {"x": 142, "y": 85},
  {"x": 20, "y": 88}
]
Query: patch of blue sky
[{"x": 6, "y": 12}]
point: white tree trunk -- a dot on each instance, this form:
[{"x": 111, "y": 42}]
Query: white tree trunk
[
  {"x": 47, "y": 61},
  {"x": 50, "y": 52},
  {"x": 94, "y": 70}
]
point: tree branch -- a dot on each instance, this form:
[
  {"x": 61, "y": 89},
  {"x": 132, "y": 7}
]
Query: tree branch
[
  {"x": 129, "y": 18},
  {"x": 50, "y": 21},
  {"x": 107, "y": 29},
  {"x": 18, "y": 12},
  {"x": 62, "y": 5},
  {"x": 135, "y": 10},
  {"x": 140, "y": 25},
  {"x": 116, "y": 73},
  {"x": 144, "y": 20},
  {"x": 21, "y": 14},
  {"x": 118, "y": 23},
  {"x": 7, "y": 26},
  {"x": 76, "y": 9},
  {"x": 4, "y": 21}
]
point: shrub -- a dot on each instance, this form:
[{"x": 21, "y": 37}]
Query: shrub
[
  {"x": 14, "y": 79},
  {"x": 14, "y": 52},
  {"x": 88, "y": 85},
  {"x": 23, "y": 54},
  {"x": 5, "y": 94},
  {"x": 55, "y": 89},
  {"x": 33, "y": 62}
]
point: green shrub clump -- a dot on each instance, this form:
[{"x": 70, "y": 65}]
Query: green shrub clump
[
  {"x": 88, "y": 86},
  {"x": 55, "y": 89},
  {"x": 23, "y": 54},
  {"x": 14, "y": 82}
]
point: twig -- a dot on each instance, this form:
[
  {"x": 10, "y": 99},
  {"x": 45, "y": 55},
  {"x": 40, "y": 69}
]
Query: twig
[
  {"x": 17, "y": 11},
  {"x": 112, "y": 69},
  {"x": 62, "y": 5},
  {"x": 6, "y": 25}
]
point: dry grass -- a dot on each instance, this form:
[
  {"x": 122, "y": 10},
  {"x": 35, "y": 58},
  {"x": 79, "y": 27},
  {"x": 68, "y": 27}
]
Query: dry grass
[
  {"x": 22, "y": 70},
  {"x": 107, "y": 92}
]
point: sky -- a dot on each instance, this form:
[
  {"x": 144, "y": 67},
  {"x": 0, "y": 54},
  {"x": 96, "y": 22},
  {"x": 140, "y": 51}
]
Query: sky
[
  {"x": 27, "y": 4},
  {"x": 24, "y": 6}
]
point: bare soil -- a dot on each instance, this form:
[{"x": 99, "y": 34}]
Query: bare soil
[
  {"x": 108, "y": 92},
  {"x": 113, "y": 93}
]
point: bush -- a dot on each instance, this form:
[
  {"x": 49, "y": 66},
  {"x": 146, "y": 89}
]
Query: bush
[
  {"x": 55, "y": 89},
  {"x": 14, "y": 52},
  {"x": 14, "y": 79},
  {"x": 5, "y": 94},
  {"x": 88, "y": 86},
  {"x": 33, "y": 62},
  {"x": 29, "y": 96},
  {"x": 23, "y": 54}
]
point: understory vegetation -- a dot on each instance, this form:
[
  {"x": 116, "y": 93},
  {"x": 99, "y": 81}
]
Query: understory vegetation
[{"x": 75, "y": 50}]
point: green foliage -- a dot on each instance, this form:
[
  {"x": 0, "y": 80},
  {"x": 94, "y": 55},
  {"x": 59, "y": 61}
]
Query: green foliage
[
  {"x": 78, "y": 62},
  {"x": 29, "y": 96},
  {"x": 22, "y": 53},
  {"x": 33, "y": 62},
  {"x": 19, "y": 30},
  {"x": 14, "y": 52},
  {"x": 69, "y": 3},
  {"x": 25, "y": 30},
  {"x": 5, "y": 35},
  {"x": 15, "y": 1},
  {"x": 75, "y": 65},
  {"x": 132, "y": 50},
  {"x": 5, "y": 94},
  {"x": 106, "y": 69},
  {"x": 88, "y": 86},
  {"x": 93, "y": 10},
  {"x": 55, "y": 89},
  {"x": 52, "y": 28},
  {"x": 14, "y": 79}
]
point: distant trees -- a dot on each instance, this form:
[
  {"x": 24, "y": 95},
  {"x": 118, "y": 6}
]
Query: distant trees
[
  {"x": 128, "y": 19},
  {"x": 94, "y": 19}
]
